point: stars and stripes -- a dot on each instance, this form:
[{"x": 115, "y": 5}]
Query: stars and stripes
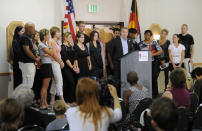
[{"x": 69, "y": 20}]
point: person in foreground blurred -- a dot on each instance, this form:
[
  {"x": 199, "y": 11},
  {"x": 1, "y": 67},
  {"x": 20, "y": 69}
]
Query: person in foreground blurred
[
  {"x": 59, "y": 107},
  {"x": 164, "y": 115},
  {"x": 197, "y": 75},
  {"x": 11, "y": 114},
  {"x": 135, "y": 93},
  {"x": 89, "y": 115},
  {"x": 32, "y": 116},
  {"x": 178, "y": 92}
]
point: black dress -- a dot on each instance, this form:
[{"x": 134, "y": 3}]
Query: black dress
[
  {"x": 17, "y": 73},
  {"x": 69, "y": 76},
  {"x": 81, "y": 56},
  {"x": 96, "y": 60}
]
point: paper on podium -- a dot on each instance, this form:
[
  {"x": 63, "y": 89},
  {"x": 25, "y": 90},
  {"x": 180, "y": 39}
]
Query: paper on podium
[{"x": 143, "y": 56}]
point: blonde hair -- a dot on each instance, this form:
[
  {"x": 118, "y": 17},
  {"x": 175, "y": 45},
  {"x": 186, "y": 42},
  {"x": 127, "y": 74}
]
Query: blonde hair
[
  {"x": 60, "y": 107},
  {"x": 164, "y": 30},
  {"x": 53, "y": 30},
  {"x": 65, "y": 35},
  {"x": 42, "y": 33}
]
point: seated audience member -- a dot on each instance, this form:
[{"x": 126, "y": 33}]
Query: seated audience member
[
  {"x": 59, "y": 107},
  {"x": 178, "y": 92},
  {"x": 197, "y": 75},
  {"x": 164, "y": 115},
  {"x": 176, "y": 53},
  {"x": 32, "y": 116},
  {"x": 89, "y": 115},
  {"x": 11, "y": 114},
  {"x": 135, "y": 93}
]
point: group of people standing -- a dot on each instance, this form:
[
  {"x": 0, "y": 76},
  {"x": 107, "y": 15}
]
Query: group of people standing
[
  {"x": 42, "y": 62},
  {"x": 166, "y": 55}
]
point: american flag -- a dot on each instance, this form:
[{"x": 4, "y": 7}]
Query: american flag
[{"x": 69, "y": 20}]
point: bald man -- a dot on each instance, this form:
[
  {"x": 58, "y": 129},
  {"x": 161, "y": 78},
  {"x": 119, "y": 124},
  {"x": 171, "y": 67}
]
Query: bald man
[{"x": 28, "y": 55}]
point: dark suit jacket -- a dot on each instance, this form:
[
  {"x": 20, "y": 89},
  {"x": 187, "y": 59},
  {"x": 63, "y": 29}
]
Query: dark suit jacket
[{"x": 116, "y": 49}]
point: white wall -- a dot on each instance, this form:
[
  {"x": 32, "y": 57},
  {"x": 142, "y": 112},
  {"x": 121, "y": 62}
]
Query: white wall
[
  {"x": 41, "y": 12},
  {"x": 170, "y": 14}
]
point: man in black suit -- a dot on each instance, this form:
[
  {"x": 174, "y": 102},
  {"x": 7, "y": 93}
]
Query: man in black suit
[{"x": 119, "y": 47}]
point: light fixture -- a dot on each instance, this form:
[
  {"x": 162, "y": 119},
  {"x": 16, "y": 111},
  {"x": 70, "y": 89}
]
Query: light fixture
[
  {"x": 156, "y": 36},
  {"x": 156, "y": 29}
]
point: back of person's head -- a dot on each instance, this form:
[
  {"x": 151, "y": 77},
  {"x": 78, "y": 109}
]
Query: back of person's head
[
  {"x": 87, "y": 100},
  {"x": 164, "y": 114},
  {"x": 196, "y": 72},
  {"x": 87, "y": 90},
  {"x": 11, "y": 113},
  {"x": 59, "y": 107},
  {"x": 24, "y": 94},
  {"x": 132, "y": 78},
  {"x": 178, "y": 78}
]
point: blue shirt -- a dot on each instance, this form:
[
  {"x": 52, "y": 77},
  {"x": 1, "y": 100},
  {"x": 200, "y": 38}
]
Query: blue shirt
[{"x": 124, "y": 45}]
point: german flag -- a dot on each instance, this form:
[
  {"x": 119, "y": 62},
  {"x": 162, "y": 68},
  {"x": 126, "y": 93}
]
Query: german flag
[{"x": 133, "y": 21}]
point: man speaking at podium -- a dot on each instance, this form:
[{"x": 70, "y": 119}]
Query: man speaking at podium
[{"x": 120, "y": 47}]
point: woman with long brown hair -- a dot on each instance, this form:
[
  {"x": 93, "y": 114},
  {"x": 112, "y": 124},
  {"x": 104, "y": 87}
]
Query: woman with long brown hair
[
  {"x": 82, "y": 56},
  {"x": 89, "y": 115},
  {"x": 95, "y": 49}
]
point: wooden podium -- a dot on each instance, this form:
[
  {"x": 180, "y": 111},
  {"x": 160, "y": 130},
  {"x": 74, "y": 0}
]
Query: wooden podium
[{"x": 140, "y": 62}]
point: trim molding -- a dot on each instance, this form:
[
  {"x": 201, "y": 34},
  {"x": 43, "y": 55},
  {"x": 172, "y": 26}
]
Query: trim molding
[
  {"x": 197, "y": 64},
  {"x": 6, "y": 73}
]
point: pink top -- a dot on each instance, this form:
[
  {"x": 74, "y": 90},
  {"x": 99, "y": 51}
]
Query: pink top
[{"x": 58, "y": 48}]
